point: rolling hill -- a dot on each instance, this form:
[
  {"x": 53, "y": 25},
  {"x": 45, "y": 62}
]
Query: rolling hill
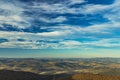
[{"x": 20, "y": 75}]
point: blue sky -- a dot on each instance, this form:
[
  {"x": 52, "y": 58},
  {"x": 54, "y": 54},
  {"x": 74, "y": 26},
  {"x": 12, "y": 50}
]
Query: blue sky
[{"x": 57, "y": 28}]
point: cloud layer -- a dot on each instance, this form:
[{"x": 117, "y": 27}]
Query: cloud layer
[{"x": 56, "y": 24}]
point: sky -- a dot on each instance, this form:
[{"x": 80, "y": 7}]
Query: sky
[{"x": 59, "y": 28}]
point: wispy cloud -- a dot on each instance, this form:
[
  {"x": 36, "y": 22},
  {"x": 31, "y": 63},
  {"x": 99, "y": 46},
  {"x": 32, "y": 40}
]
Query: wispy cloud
[
  {"x": 54, "y": 20},
  {"x": 76, "y": 2},
  {"x": 57, "y": 25}
]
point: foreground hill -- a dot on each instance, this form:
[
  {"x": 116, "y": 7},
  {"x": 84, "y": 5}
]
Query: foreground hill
[
  {"x": 19, "y": 75},
  {"x": 94, "y": 77}
]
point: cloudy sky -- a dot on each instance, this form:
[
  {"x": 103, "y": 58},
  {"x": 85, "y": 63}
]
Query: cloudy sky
[{"x": 59, "y": 28}]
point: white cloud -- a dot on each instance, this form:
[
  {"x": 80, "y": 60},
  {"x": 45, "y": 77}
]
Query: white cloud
[
  {"x": 70, "y": 43},
  {"x": 76, "y": 1},
  {"x": 93, "y": 9},
  {"x": 64, "y": 8},
  {"x": 34, "y": 36},
  {"x": 95, "y": 30},
  {"x": 112, "y": 42},
  {"x": 15, "y": 21},
  {"x": 114, "y": 12},
  {"x": 12, "y": 14},
  {"x": 53, "y": 20},
  {"x": 101, "y": 29},
  {"x": 31, "y": 41},
  {"x": 10, "y": 8},
  {"x": 16, "y": 44},
  {"x": 53, "y": 8},
  {"x": 55, "y": 33}
]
